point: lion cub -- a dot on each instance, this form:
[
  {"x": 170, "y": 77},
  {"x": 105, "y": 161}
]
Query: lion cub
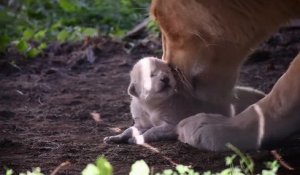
[
  {"x": 156, "y": 106},
  {"x": 159, "y": 103}
]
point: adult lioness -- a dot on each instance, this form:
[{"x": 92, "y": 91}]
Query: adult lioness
[
  {"x": 160, "y": 102},
  {"x": 209, "y": 40}
]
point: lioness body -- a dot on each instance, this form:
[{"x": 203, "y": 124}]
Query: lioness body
[{"x": 208, "y": 41}]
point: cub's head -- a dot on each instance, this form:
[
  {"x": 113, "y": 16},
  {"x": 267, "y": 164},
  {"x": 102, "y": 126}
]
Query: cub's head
[{"x": 151, "y": 79}]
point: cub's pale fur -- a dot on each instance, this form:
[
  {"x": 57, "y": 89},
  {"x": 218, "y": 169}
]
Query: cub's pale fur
[
  {"x": 208, "y": 40},
  {"x": 159, "y": 103}
]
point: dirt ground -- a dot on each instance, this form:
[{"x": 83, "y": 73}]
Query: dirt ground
[{"x": 60, "y": 106}]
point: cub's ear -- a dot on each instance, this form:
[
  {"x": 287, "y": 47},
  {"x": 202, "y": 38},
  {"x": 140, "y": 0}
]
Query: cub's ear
[{"x": 132, "y": 90}]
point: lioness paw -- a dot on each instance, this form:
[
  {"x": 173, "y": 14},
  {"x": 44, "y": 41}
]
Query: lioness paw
[
  {"x": 200, "y": 131},
  {"x": 213, "y": 132}
]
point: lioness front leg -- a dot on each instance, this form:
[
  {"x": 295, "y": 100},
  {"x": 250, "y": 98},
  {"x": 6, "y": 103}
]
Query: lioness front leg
[
  {"x": 273, "y": 118},
  {"x": 244, "y": 97},
  {"x": 156, "y": 133}
]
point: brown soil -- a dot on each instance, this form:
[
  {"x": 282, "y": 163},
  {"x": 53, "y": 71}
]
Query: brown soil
[{"x": 47, "y": 104}]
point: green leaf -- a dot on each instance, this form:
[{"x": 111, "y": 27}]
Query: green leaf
[
  {"x": 4, "y": 41},
  {"x": 168, "y": 172},
  {"x": 63, "y": 35},
  {"x": 91, "y": 32},
  {"x": 23, "y": 46},
  {"x": 42, "y": 46},
  {"x": 246, "y": 163},
  {"x": 140, "y": 168},
  {"x": 118, "y": 32},
  {"x": 56, "y": 25},
  {"x": 35, "y": 171},
  {"x": 268, "y": 172},
  {"x": 68, "y": 5},
  {"x": 272, "y": 166},
  {"x": 28, "y": 34},
  {"x": 229, "y": 159},
  {"x": 40, "y": 34},
  {"x": 231, "y": 171},
  {"x": 33, "y": 52},
  {"x": 91, "y": 169},
  {"x": 182, "y": 169},
  {"x": 9, "y": 172},
  {"x": 207, "y": 173},
  {"x": 152, "y": 26},
  {"x": 104, "y": 166}
]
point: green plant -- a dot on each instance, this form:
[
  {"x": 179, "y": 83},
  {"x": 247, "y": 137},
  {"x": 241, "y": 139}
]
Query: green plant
[
  {"x": 246, "y": 167},
  {"x": 31, "y": 24},
  {"x": 153, "y": 27},
  {"x": 35, "y": 171},
  {"x": 101, "y": 167},
  {"x": 9, "y": 172},
  {"x": 272, "y": 168},
  {"x": 139, "y": 168},
  {"x": 179, "y": 170},
  {"x": 246, "y": 162}
]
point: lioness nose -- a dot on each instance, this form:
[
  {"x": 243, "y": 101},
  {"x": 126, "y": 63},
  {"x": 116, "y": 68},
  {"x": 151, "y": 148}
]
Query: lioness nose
[{"x": 165, "y": 79}]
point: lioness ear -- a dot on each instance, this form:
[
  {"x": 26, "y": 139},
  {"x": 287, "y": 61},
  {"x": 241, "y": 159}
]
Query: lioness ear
[{"x": 132, "y": 90}]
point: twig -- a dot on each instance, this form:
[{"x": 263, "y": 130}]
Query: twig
[
  {"x": 62, "y": 165},
  {"x": 281, "y": 161},
  {"x": 137, "y": 29},
  {"x": 20, "y": 92},
  {"x": 155, "y": 150},
  {"x": 40, "y": 101}
]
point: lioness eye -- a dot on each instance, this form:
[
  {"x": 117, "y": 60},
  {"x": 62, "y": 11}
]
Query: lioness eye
[{"x": 152, "y": 74}]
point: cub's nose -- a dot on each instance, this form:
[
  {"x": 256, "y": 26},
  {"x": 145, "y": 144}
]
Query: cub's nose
[{"x": 165, "y": 79}]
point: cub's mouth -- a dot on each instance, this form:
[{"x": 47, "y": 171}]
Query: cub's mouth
[
  {"x": 165, "y": 83},
  {"x": 164, "y": 87}
]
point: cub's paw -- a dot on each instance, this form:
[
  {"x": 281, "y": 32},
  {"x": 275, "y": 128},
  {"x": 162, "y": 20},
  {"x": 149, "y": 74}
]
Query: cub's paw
[
  {"x": 107, "y": 139},
  {"x": 114, "y": 139}
]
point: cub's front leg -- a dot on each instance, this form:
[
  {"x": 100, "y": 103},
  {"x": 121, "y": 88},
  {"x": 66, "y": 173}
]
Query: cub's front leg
[
  {"x": 125, "y": 136},
  {"x": 156, "y": 133}
]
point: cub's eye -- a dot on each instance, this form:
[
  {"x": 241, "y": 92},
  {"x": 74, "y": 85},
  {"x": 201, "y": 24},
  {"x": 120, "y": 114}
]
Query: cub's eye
[{"x": 152, "y": 74}]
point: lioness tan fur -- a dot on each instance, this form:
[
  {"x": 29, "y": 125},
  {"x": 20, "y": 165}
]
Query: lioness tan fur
[
  {"x": 209, "y": 40},
  {"x": 159, "y": 103}
]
